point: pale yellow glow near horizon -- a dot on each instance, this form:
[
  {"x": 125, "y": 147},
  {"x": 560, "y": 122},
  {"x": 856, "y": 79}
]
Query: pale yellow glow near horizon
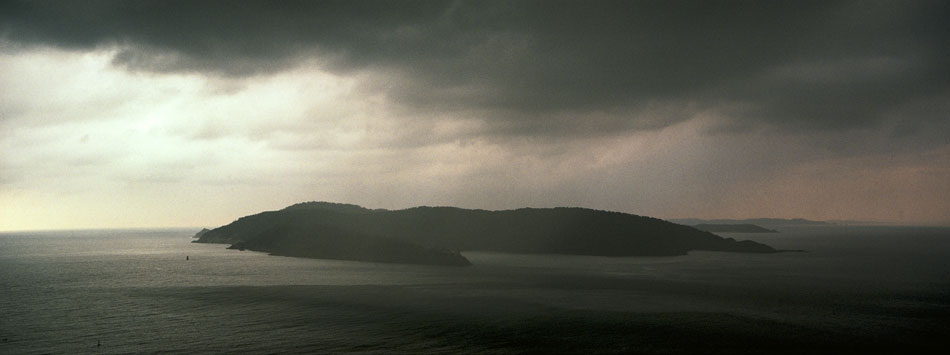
[
  {"x": 84, "y": 144},
  {"x": 92, "y": 146}
]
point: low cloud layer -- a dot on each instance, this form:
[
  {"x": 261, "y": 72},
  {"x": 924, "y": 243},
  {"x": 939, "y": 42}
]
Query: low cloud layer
[{"x": 799, "y": 65}]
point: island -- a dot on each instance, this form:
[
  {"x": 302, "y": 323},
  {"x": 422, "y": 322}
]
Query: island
[
  {"x": 734, "y": 228},
  {"x": 436, "y": 235},
  {"x": 328, "y": 242}
]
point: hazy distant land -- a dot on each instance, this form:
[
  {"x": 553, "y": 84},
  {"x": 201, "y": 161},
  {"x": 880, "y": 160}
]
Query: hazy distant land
[
  {"x": 435, "y": 235},
  {"x": 734, "y": 228},
  {"x": 771, "y": 223}
]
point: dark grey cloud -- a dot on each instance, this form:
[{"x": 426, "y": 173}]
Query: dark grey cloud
[{"x": 551, "y": 67}]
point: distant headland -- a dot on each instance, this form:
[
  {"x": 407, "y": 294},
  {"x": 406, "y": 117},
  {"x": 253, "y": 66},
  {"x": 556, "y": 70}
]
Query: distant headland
[
  {"x": 773, "y": 223},
  {"x": 734, "y": 228},
  {"x": 435, "y": 235}
]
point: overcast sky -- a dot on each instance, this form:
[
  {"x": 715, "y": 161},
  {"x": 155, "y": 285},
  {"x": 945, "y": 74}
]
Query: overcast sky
[{"x": 195, "y": 113}]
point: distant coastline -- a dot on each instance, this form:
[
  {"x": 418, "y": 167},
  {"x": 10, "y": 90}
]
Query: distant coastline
[
  {"x": 734, "y": 228},
  {"x": 772, "y": 223}
]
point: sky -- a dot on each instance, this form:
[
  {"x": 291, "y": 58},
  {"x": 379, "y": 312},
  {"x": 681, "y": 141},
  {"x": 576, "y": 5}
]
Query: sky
[{"x": 183, "y": 113}]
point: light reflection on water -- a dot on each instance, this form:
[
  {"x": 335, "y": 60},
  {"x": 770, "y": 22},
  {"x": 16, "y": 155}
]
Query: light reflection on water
[{"x": 63, "y": 291}]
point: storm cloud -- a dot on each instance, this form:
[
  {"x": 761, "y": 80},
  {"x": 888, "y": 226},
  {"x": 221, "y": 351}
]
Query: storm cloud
[
  {"x": 550, "y": 67},
  {"x": 171, "y": 113}
]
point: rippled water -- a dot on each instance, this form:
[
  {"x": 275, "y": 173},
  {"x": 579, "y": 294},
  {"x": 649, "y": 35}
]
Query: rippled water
[{"x": 856, "y": 290}]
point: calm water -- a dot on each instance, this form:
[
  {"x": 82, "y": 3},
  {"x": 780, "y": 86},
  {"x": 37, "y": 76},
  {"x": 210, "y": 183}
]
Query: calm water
[{"x": 856, "y": 290}]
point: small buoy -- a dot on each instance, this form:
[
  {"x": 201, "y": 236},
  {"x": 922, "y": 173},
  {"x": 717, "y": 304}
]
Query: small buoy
[
  {"x": 186, "y": 257},
  {"x": 98, "y": 343}
]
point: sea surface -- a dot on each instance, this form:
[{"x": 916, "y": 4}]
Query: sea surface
[{"x": 855, "y": 290}]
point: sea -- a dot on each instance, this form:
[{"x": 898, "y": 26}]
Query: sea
[{"x": 852, "y": 290}]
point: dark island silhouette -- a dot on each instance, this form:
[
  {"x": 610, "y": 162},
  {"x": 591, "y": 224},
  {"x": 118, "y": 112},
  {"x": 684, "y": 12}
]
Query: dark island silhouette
[
  {"x": 734, "y": 228},
  {"x": 435, "y": 235}
]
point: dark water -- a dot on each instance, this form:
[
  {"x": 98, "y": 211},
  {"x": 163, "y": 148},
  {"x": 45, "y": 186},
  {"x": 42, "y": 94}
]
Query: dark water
[{"x": 858, "y": 290}]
